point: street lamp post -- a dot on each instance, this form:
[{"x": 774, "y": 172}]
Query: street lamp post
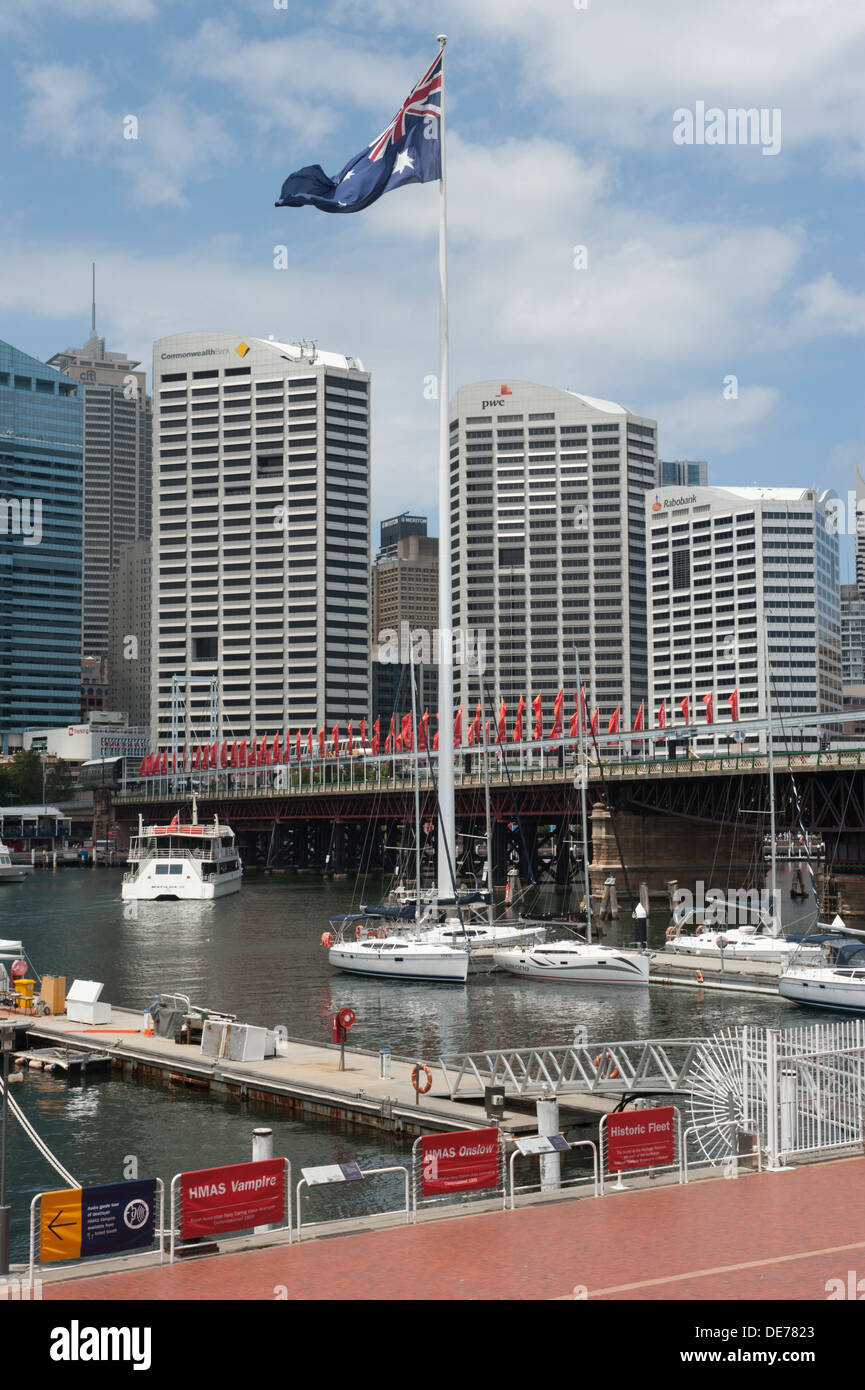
[{"x": 7, "y": 1038}]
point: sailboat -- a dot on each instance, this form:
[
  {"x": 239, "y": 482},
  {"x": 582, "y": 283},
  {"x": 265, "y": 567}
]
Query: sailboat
[
  {"x": 761, "y": 937},
  {"x": 836, "y": 981},
  {"x": 578, "y": 961}
]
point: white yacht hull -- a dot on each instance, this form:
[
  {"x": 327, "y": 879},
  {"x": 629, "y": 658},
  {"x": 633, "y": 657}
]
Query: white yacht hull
[
  {"x": 825, "y": 988},
  {"x": 576, "y": 964},
  {"x": 15, "y": 873},
  {"x": 403, "y": 962},
  {"x": 186, "y": 886},
  {"x": 738, "y": 947}
]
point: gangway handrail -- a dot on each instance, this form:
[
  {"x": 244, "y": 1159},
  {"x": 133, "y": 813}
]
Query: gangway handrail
[{"x": 661, "y": 1064}]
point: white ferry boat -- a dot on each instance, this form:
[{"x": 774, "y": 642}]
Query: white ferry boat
[{"x": 191, "y": 862}]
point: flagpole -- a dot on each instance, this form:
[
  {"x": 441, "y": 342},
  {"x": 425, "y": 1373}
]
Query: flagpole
[{"x": 447, "y": 809}]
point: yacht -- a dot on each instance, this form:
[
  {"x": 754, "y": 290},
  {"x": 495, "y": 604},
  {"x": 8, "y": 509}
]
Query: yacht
[
  {"x": 576, "y": 963},
  {"x": 836, "y": 981},
  {"x": 190, "y": 862},
  {"x": 364, "y": 943},
  {"x": 9, "y": 872}
]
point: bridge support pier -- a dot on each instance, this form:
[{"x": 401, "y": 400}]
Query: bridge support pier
[{"x": 658, "y": 847}]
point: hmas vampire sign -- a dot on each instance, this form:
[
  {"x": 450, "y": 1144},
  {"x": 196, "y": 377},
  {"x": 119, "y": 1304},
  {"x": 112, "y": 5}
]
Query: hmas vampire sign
[
  {"x": 459, "y": 1162},
  {"x": 232, "y": 1198}
]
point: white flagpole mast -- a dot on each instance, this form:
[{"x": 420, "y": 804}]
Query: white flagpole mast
[{"x": 447, "y": 809}]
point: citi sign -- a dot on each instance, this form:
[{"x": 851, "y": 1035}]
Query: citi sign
[{"x": 498, "y": 400}]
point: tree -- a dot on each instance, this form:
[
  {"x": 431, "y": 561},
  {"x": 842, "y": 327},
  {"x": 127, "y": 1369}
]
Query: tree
[
  {"x": 26, "y": 768},
  {"x": 59, "y": 781}
]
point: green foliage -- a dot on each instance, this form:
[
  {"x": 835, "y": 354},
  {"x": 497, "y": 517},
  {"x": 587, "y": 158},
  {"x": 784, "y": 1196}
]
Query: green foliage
[{"x": 59, "y": 782}]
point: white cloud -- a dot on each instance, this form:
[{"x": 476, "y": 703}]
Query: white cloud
[
  {"x": 702, "y": 424},
  {"x": 66, "y": 108},
  {"x": 825, "y": 307}
]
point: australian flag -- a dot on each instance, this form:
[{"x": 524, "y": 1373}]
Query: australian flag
[{"x": 407, "y": 151}]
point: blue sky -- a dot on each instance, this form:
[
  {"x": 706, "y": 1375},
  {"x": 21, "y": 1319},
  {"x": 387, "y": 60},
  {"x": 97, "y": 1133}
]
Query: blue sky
[{"x": 703, "y": 261}]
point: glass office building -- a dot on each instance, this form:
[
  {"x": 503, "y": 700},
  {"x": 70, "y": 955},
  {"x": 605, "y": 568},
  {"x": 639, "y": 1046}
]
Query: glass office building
[{"x": 40, "y": 545}]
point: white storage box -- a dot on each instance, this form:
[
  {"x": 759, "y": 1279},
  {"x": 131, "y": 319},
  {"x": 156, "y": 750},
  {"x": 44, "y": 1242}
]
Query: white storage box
[
  {"x": 249, "y": 1044},
  {"x": 82, "y": 1003},
  {"x": 213, "y": 1038}
]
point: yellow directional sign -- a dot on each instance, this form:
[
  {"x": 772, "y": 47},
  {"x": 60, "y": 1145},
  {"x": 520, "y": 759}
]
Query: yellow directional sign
[{"x": 60, "y": 1225}]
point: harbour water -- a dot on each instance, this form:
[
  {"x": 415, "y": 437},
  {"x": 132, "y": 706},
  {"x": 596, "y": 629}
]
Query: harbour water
[{"x": 257, "y": 954}]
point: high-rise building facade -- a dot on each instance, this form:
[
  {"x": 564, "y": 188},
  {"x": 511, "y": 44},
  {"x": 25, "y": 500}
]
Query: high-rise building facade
[
  {"x": 260, "y": 571},
  {"x": 40, "y": 545},
  {"x": 549, "y": 552},
  {"x": 727, "y": 566},
  {"x": 130, "y": 618},
  {"x": 117, "y": 472},
  {"x": 682, "y": 473},
  {"x": 404, "y": 583}
]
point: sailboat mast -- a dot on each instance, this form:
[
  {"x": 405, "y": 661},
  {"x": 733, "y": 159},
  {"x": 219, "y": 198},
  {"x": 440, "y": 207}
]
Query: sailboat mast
[
  {"x": 489, "y": 828},
  {"x": 584, "y": 777},
  {"x": 773, "y": 878},
  {"x": 416, "y": 779},
  {"x": 446, "y": 796}
]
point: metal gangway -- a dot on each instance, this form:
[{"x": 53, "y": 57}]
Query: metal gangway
[
  {"x": 801, "y": 1088},
  {"x": 611, "y": 1068}
]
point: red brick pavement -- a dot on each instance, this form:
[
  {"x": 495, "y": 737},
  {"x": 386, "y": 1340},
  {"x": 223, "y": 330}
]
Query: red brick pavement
[{"x": 764, "y": 1236}]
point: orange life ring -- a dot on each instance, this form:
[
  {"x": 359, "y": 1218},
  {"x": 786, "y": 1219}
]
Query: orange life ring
[
  {"x": 374, "y": 933},
  {"x": 415, "y": 1077},
  {"x": 671, "y": 932},
  {"x": 327, "y": 938},
  {"x": 614, "y": 1073}
]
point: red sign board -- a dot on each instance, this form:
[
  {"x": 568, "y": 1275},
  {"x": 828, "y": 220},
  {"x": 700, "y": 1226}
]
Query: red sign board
[
  {"x": 459, "y": 1162},
  {"x": 232, "y": 1198},
  {"x": 641, "y": 1138}
]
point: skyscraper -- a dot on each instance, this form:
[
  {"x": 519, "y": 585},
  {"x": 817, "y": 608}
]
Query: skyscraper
[
  {"x": 130, "y": 617},
  {"x": 404, "y": 582},
  {"x": 682, "y": 473},
  {"x": 730, "y": 566},
  {"x": 117, "y": 471},
  {"x": 549, "y": 549},
  {"x": 261, "y": 532},
  {"x": 40, "y": 545}
]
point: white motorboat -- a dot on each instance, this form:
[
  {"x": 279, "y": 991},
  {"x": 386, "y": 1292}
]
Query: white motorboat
[
  {"x": 365, "y": 945},
  {"x": 188, "y": 862},
  {"x": 9, "y": 872},
  {"x": 576, "y": 963}
]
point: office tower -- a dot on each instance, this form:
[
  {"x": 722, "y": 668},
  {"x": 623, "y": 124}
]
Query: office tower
[
  {"x": 682, "y": 473},
  {"x": 130, "y": 616},
  {"x": 117, "y": 471},
  {"x": 725, "y": 563},
  {"x": 261, "y": 533},
  {"x": 404, "y": 582},
  {"x": 548, "y": 534},
  {"x": 40, "y": 545}
]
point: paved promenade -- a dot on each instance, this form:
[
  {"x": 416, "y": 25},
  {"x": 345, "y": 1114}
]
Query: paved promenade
[{"x": 761, "y": 1236}]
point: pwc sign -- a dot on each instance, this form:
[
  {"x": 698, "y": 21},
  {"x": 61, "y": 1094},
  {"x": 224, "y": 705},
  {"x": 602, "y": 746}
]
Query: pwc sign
[{"x": 499, "y": 399}]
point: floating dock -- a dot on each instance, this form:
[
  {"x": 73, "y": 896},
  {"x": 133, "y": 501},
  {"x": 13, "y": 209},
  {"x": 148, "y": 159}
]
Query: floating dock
[
  {"x": 305, "y": 1080},
  {"x": 708, "y": 972},
  {"x": 71, "y": 1061}
]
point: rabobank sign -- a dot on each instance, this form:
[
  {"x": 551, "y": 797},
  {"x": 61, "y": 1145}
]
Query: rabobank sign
[{"x": 660, "y": 506}]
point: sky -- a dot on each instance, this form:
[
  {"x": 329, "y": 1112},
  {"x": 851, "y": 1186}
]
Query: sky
[{"x": 721, "y": 288}]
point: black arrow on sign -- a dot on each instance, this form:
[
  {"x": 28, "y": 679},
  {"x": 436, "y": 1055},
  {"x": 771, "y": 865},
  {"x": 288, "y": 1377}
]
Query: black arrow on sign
[{"x": 55, "y": 1222}]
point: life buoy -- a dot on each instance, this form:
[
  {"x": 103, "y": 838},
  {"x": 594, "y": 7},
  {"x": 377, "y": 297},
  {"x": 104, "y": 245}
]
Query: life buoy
[
  {"x": 614, "y": 1073},
  {"x": 327, "y": 939},
  {"x": 374, "y": 934},
  {"x": 346, "y": 1018},
  {"x": 415, "y": 1077},
  {"x": 671, "y": 932},
  {"x": 699, "y": 977},
  {"x": 358, "y": 931}
]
